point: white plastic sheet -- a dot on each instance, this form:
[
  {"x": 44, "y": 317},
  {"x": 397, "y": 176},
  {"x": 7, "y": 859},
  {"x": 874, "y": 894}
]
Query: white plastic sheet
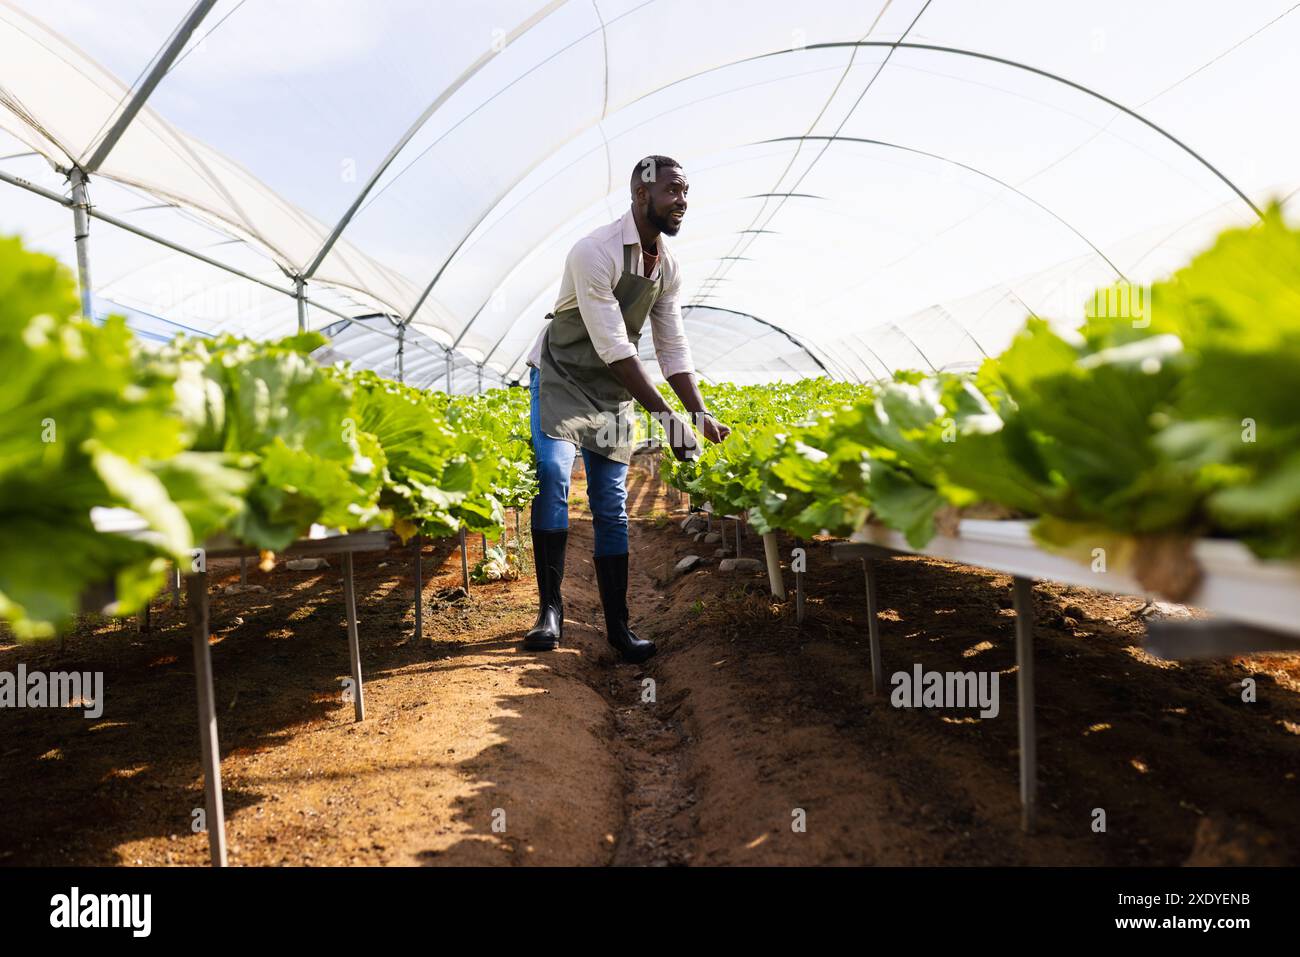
[{"x": 942, "y": 189}]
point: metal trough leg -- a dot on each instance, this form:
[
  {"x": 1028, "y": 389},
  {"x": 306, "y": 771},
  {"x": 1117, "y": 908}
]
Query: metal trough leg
[
  {"x": 419, "y": 589},
  {"x": 197, "y": 587},
  {"x": 774, "y": 578},
  {"x": 354, "y": 644},
  {"x": 873, "y": 628},
  {"x": 464, "y": 561},
  {"x": 1023, "y": 597},
  {"x": 798, "y": 592}
]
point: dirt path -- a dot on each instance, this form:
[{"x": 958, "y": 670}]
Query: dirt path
[{"x": 748, "y": 739}]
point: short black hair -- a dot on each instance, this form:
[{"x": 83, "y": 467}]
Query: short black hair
[{"x": 648, "y": 168}]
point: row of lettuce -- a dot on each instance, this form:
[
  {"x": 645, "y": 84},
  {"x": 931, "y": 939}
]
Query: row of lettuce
[
  {"x": 253, "y": 441},
  {"x": 1172, "y": 414}
]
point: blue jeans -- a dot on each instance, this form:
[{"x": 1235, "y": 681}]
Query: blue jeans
[{"x": 606, "y": 486}]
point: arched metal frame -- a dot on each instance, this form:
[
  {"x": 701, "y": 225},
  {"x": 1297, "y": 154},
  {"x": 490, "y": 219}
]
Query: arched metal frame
[
  {"x": 966, "y": 166},
  {"x": 956, "y": 51},
  {"x": 418, "y": 125},
  {"x": 709, "y": 292},
  {"x": 194, "y": 17},
  {"x": 763, "y": 322}
]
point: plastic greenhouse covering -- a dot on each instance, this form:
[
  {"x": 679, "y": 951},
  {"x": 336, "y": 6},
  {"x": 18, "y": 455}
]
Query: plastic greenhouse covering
[{"x": 874, "y": 185}]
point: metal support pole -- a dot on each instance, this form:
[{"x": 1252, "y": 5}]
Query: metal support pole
[
  {"x": 300, "y": 293},
  {"x": 798, "y": 590},
  {"x": 176, "y": 586},
  {"x": 209, "y": 747},
  {"x": 81, "y": 235},
  {"x": 485, "y": 546},
  {"x": 449, "y": 372},
  {"x": 145, "y": 86},
  {"x": 464, "y": 561},
  {"x": 354, "y": 643},
  {"x": 419, "y": 589},
  {"x": 1023, "y": 599},
  {"x": 163, "y": 241},
  {"x": 401, "y": 353},
  {"x": 773, "y": 566},
  {"x": 480, "y": 379},
  {"x": 873, "y": 628}
]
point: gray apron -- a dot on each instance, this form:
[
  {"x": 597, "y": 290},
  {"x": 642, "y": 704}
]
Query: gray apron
[{"x": 580, "y": 399}]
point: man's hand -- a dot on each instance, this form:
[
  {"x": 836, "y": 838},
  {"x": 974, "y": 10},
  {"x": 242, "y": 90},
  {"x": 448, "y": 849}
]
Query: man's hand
[
  {"x": 681, "y": 438},
  {"x": 713, "y": 430},
  {"x": 688, "y": 391}
]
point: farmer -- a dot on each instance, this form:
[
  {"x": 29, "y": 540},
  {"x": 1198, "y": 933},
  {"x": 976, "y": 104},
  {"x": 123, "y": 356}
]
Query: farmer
[{"x": 585, "y": 374}]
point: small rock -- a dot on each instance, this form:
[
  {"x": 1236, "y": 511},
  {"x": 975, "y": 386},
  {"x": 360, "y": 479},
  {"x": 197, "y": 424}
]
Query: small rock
[
  {"x": 686, "y": 564},
  {"x": 694, "y": 523},
  {"x": 1075, "y": 612},
  {"x": 722, "y": 553},
  {"x": 448, "y": 596},
  {"x": 238, "y": 589},
  {"x": 306, "y": 564},
  {"x": 740, "y": 565},
  {"x": 1160, "y": 610},
  {"x": 712, "y": 538}
]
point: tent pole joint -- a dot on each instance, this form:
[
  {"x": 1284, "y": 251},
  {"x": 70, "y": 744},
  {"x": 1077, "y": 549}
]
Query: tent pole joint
[
  {"x": 300, "y": 294},
  {"x": 81, "y": 236}
]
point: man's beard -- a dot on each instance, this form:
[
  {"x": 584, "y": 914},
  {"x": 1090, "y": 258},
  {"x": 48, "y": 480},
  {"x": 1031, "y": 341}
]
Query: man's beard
[{"x": 659, "y": 221}]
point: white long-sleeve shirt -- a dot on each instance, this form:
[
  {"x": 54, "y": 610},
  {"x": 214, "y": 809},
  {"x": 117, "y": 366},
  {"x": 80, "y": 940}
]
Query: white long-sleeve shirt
[{"x": 590, "y": 274}]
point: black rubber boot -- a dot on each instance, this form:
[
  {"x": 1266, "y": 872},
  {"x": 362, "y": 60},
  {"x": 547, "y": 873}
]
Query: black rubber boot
[
  {"x": 611, "y": 576},
  {"x": 548, "y": 556}
]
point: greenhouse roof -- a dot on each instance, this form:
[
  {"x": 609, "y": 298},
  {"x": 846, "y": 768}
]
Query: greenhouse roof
[{"x": 874, "y": 186}]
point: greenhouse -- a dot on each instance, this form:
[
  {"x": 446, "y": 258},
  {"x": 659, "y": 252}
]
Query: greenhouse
[{"x": 947, "y": 341}]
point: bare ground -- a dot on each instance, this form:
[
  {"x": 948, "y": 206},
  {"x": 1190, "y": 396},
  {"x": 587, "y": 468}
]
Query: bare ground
[{"x": 746, "y": 724}]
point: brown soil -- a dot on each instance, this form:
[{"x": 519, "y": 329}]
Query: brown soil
[{"x": 475, "y": 751}]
